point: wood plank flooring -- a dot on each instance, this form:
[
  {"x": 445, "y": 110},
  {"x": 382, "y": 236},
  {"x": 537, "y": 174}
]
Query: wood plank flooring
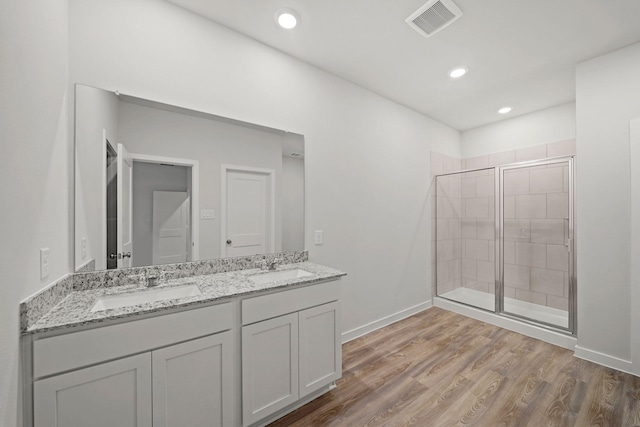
[{"x": 439, "y": 368}]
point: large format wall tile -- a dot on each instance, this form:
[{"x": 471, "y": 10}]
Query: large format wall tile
[
  {"x": 548, "y": 180},
  {"x": 476, "y": 249},
  {"x": 477, "y": 207},
  {"x": 535, "y": 205},
  {"x": 558, "y": 205},
  {"x": 534, "y": 152},
  {"x": 517, "y": 276},
  {"x": 557, "y": 257},
  {"x": 517, "y": 230},
  {"x": 486, "y": 271},
  {"x": 531, "y": 206},
  {"x": 516, "y": 182},
  {"x": 547, "y": 281},
  {"x": 548, "y": 231}
]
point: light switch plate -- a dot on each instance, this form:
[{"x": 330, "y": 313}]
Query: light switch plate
[
  {"x": 84, "y": 247},
  {"x": 44, "y": 263},
  {"x": 318, "y": 237},
  {"x": 207, "y": 214}
]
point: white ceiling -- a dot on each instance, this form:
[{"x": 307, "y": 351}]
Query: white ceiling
[{"x": 520, "y": 53}]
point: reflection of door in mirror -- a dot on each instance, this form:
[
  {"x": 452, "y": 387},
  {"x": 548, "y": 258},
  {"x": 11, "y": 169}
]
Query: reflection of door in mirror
[
  {"x": 125, "y": 208},
  {"x": 248, "y": 217},
  {"x": 165, "y": 198},
  {"x": 112, "y": 208},
  {"x": 170, "y": 227}
]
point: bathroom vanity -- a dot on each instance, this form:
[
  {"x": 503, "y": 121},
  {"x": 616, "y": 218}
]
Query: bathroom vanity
[{"x": 249, "y": 348}]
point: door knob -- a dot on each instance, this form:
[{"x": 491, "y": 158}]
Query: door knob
[
  {"x": 228, "y": 241},
  {"x": 126, "y": 255},
  {"x": 113, "y": 256}
]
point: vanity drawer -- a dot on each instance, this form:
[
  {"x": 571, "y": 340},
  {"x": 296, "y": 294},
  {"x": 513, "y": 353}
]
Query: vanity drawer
[
  {"x": 288, "y": 301},
  {"x": 77, "y": 349}
]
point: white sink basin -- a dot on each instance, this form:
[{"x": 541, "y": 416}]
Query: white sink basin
[
  {"x": 145, "y": 296},
  {"x": 274, "y": 276}
]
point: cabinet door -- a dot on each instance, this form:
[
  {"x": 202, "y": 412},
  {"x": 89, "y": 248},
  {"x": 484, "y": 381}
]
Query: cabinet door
[
  {"x": 192, "y": 383},
  {"x": 111, "y": 394},
  {"x": 269, "y": 367},
  {"x": 320, "y": 347}
]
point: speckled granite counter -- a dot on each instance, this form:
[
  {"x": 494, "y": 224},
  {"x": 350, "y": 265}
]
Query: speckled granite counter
[{"x": 75, "y": 309}]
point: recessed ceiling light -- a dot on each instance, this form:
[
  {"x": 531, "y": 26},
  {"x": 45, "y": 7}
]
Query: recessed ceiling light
[
  {"x": 456, "y": 73},
  {"x": 287, "y": 18},
  {"x": 504, "y": 110}
]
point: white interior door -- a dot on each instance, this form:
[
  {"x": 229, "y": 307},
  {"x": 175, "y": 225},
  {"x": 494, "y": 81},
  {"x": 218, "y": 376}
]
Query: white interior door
[
  {"x": 248, "y": 213},
  {"x": 170, "y": 226},
  {"x": 125, "y": 192}
]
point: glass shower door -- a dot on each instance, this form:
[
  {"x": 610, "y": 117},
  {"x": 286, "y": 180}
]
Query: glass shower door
[
  {"x": 465, "y": 237},
  {"x": 536, "y": 232}
]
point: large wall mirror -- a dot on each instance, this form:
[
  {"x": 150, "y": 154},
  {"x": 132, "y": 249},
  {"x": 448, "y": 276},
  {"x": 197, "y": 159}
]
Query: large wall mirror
[{"x": 159, "y": 184}]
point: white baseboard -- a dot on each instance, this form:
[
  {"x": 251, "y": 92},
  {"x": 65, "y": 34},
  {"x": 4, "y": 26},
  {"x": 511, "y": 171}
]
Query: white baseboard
[
  {"x": 385, "y": 321},
  {"x": 552, "y": 337},
  {"x": 604, "y": 359}
]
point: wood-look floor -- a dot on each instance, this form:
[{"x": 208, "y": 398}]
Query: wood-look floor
[{"x": 439, "y": 368}]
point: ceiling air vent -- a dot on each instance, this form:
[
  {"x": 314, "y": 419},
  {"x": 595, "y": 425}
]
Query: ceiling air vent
[{"x": 434, "y": 16}]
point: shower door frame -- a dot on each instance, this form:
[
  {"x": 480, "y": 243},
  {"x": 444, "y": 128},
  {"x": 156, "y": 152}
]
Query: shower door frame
[
  {"x": 499, "y": 255},
  {"x": 571, "y": 329}
]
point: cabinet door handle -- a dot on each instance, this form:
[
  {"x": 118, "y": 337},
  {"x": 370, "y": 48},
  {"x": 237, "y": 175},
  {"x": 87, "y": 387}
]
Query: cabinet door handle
[{"x": 228, "y": 241}]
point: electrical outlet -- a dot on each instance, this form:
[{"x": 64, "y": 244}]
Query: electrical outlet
[
  {"x": 44, "y": 263},
  {"x": 318, "y": 239},
  {"x": 84, "y": 247}
]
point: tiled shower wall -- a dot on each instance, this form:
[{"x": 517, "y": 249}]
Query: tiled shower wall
[
  {"x": 446, "y": 261},
  {"x": 478, "y": 230},
  {"x": 536, "y": 213},
  {"x": 448, "y": 233},
  {"x": 463, "y": 255}
]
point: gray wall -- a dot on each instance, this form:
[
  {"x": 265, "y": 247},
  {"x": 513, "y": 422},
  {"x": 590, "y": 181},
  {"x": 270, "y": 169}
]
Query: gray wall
[{"x": 292, "y": 208}]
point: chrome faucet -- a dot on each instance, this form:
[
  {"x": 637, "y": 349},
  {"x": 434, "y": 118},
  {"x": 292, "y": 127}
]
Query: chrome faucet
[
  {"x": 269, "y": 265},
  {"x": 274, "y": 263},
  {"x": 262, "y": 264},
  {"x": 146, "y": 279}
]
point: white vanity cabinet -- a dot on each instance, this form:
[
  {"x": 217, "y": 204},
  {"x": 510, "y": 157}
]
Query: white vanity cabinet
[
  {"x": 291, "y": 348},
  {"x": 192, "y": 383},
  {"x": 165, "y": 385},
  {"x": 114, "y": 393},
  {"x": 246, "y": 361}
]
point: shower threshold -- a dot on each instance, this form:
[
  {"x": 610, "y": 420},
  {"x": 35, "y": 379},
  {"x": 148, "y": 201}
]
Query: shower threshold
[{"x": 529, "y": 310}]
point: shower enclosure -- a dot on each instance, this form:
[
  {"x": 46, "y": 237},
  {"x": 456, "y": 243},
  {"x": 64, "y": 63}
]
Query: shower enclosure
[{"x": 504, "y": 241}]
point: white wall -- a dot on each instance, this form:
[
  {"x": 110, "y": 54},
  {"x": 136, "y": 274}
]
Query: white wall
[
  {"x": 35, "y": 168},
  {"x": 549, "y": 125},
  {"x": 607, "y": 99},
  {"x": 97, "y": 113},
  {"x": 145, "y": 130},
  {"x": 292, "y": 208},
  {"x": 635, "y": 242},
  {"x": 367, "y": 158}
]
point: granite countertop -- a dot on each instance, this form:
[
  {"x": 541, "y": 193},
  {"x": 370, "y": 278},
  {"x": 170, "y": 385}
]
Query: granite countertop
[{"x": 75, "y": 309}]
